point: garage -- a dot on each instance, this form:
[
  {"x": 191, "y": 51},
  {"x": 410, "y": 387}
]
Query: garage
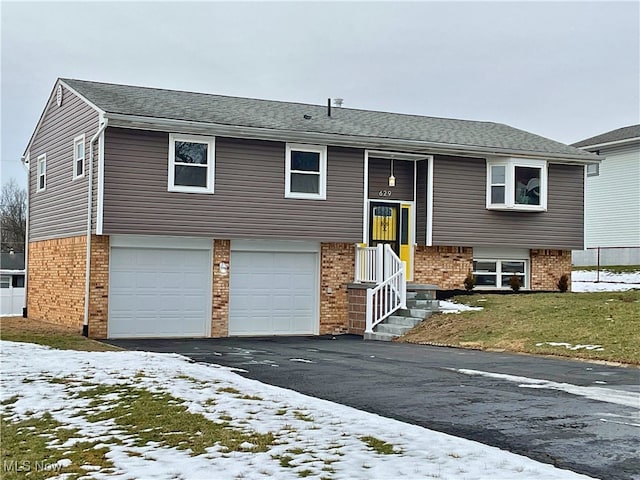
[
  {"x": 274, "y": 288},
  {"x": 159, "y": 287}
]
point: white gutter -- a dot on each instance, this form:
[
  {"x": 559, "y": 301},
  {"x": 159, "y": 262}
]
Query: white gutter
[
  {"x": 26, "y": 162},
  {"x": 87, "y": 282},
  {"x": 414, "y": 146}
]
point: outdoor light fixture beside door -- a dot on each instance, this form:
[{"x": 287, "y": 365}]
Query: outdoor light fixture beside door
[{"x": 392, "y": 179}]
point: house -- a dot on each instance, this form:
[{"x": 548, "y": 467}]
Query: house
[
  {"x": 159, "y": 213},
  {"x": 12, "y": 289},
  {"x": 612, "y": 199}
]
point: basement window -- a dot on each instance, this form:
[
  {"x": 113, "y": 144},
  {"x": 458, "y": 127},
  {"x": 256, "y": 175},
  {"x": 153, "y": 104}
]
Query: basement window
[{"x": 490, "y": 273}]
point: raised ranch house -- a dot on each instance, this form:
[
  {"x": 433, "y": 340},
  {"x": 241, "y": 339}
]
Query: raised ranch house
[
  {"x": 612, "y": 199},
  {"x": 159, "y": 213}
]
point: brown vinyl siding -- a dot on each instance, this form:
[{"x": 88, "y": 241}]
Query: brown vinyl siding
[
  {"x": 249, "y": 192},
  {"x": 61, "y": 209},
  {"x": 460, "y": 216},
  {"x": 379, "y": 171},
  {"x": 421, "y": 202}
]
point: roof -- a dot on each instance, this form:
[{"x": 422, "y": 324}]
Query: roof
[
  {"x": 385, "y": 128},
  {"x": 617, "y": 135},
  {"x": 12, "y": 261}
]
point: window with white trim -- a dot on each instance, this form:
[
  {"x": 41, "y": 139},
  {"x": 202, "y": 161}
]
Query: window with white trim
[
  {"x": 517, "y": 184},
  {"x": 492, "y": 273},
  {"x": 42, "y": 173},
  {"x": 306, "y": 171},
  {"x": 191, "y": 163},
  {"x": 593, "y": 169},
  {"x": 78, "y": 157}
]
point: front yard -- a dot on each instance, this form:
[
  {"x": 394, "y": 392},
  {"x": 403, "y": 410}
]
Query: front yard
[
  {"x": 95, "y": 415},
  {"x": 592, "y": 325}
]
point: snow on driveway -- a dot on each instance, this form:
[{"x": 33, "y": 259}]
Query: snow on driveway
[{"x": 48, "y": 380}]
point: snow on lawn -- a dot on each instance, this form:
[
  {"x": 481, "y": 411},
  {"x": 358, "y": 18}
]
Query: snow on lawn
[
  {"x": 453, "y": 307},
  {"x": 312, "y": 437},
  {"x": 585, "y": 281}
]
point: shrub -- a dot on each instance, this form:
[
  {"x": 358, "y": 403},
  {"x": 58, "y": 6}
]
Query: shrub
[
  {"x": 515, "y": 283},
  {"x": 563, "y": 283},
  {"x": 469, "y": 282}
]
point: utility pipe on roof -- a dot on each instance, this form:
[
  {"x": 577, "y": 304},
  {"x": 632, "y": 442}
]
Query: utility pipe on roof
[{"x": 87, "y": 281}]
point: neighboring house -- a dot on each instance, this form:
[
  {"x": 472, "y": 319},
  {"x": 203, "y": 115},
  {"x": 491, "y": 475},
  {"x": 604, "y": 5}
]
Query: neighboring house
[
  {"x": 12, "y": 291},
  {"x": 612, "y": 199},
  {"x": 214, "y": 216}
]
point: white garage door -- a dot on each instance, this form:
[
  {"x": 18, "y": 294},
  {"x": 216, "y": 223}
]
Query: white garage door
[
  {"x": 274, "y": 292},
  {"x": 159, "y": 292}
]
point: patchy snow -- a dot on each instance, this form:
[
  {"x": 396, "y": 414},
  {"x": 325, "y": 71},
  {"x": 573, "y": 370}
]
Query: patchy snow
[
  {"x": 597, "y": 348},
  {"x": 327, "y": 434},
  {"x": 602, "y": 394},
  {"x": 453, "y": 307},
  {"x": 586, "y": 281}
]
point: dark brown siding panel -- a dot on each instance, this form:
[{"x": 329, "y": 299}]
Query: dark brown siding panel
[
  {"x": 249, "y": 192},
  {"x": 460, "y": 216},
  {"x": 421, "y": 202},
  {"x": 379, "y": 171},
  {"x": 60, "y": 210}
]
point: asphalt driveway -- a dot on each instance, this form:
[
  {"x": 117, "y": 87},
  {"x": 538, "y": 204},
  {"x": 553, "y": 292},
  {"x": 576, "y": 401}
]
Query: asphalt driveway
[{"x": 594, "y": 430}]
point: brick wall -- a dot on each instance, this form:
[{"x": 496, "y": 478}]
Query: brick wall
[
  {"x": 220, "y": 304},
  {"x": 337, "y": 267},
  {"x": 56, "y": 281},
  {"x": 547, "y": 266},
  {"x": 99, "y": 287},
  {"x": 445, "y": 267},
  {"x": 357, "y": 297}
]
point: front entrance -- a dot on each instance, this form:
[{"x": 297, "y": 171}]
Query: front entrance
[{"x": 391, "y": 223}]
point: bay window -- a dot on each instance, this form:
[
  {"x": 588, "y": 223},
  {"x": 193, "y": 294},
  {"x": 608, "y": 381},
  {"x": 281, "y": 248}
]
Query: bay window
[{"x": 517, "y": 184}]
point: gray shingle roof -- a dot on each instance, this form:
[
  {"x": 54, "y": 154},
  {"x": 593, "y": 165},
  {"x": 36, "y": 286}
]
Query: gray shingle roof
[
  {"x": 248, "y": 112},
  {"x": 624, "y": 133}
]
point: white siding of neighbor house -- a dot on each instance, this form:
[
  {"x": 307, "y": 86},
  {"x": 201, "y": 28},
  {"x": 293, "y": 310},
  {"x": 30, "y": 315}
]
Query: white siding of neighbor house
[{"x": 612, "y": 200}]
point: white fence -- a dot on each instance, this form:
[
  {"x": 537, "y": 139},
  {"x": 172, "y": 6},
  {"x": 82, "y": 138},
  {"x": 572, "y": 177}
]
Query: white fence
[{"x": 11, "y": 301}]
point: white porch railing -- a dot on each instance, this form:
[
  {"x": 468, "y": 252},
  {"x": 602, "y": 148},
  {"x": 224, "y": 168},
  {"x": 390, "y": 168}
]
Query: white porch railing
[{"x": 382, "y": 266}]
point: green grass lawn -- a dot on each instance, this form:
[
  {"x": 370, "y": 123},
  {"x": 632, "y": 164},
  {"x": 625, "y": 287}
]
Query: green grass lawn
[
  {"x": 520, "y": 323},
  {"x": 18, "y": 329}
]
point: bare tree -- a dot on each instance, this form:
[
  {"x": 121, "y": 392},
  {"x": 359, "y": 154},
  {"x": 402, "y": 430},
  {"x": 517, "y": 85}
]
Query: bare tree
[{"x": 13, "y": 217}]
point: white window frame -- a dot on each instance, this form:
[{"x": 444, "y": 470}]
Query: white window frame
[
  {"x": 41, "y": 172},
  {"x": 211, "y": 160},
  {"x": 498, "y": 273},
  {"x": 510, "y": 165},
  {"x": 77, "y": 141},
  {"x": 322, "y": 173},
  {"x": 592, "y": 169}
]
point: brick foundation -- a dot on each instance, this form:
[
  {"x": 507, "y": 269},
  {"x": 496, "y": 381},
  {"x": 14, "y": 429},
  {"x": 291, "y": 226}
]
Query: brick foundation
[
  {"x": 357, "y": 297},
  {"x": 337, "y": 267},
  {"x": 99, "y": 287},
  {"x": 445, "y": 267},
  {"x": 55, "y": 281},
  {"x": 547, "y": 266},
  {"x": 220, "y": 304}
]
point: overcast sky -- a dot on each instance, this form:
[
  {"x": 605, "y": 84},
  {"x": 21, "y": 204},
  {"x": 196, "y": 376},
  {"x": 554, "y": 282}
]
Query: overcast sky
[{"x": 564, "y": 70}]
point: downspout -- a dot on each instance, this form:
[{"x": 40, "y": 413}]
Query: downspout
[
  {"x": 26, "y": 163},
  {"x": 87, "y": 281}
]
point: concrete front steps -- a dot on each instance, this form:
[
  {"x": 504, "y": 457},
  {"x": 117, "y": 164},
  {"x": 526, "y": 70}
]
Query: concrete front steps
[{"x": 421, "y": 303}]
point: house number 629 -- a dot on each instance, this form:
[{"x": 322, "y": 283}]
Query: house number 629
[{"x": 384, "y": 193}]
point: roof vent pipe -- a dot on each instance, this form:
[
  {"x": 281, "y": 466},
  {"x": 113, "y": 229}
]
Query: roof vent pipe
[{"x": 328, "y": 107}]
